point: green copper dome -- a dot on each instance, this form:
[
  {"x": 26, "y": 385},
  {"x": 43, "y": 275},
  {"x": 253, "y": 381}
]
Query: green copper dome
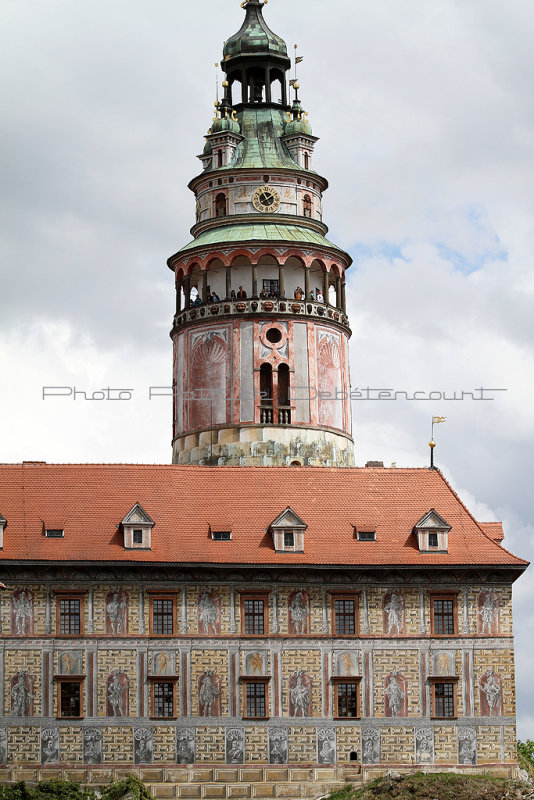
[
  {"x": 223, "y": 124},
  {"x": 298, "y": 124},
  {"x": 254, "y": 37}
]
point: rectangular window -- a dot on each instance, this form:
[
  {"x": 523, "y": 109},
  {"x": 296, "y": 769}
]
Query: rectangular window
[
  {"x": 346, "y": 702},
  {"x": 163, "y": 699},
  {"x": 137, "y": 536},
  {"x": 69, "y": 613},
  {"x": 344, "y": 611},
  {"x": 70, "y": 698},
  {"x": 444, "y": 699},
  {"x": 366, "y": 536},
  {"x": 432, "y": 539},
  {"x": 221, "y": 536},
  {"x": 256, "y": 699},
  {"x": 289, "y": 539},
  {"x": 163, "y": 616},
  {"x": 443, "y": 615},
  {"x": 270, "y": 286},
  {"x": 254, "y": 616}
]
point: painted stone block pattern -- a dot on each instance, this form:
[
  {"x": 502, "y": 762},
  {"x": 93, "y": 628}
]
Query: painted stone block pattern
[
  {"x": 257, "y": 749},
  {"x": 210, "y": 744},
  {"x": 25, "y": 742},
  {"x": 117, "y": 744},
  {"x": 397, "y": 745},
  {"x": 216, "y": 663},
  {"x": 71, "y": 743},
  {"x": 445, "y": 745},
  {"x": 302, "y": 745},
  {"x": 164, "y": 744},
  {"x": 489, "y": 744}
]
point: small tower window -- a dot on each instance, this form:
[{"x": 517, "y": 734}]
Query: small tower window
[
  {"x": 307, "y": 206},
  {"x": 220, "y": 205},
  {"x": 306, "y": 160},
  {"x": 219, "y": 158},
  {"x": 284, "y": 411},
  {"x": 266, "y": 394}
]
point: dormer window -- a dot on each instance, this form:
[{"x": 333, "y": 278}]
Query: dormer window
[
  {"x": 137, "y": 527},
  {"x": 54, "y": 533},
  {"x": 432, "y": 533},
  {"x": 366, "y": 536},
  {"x": 221, "y": 536},
  {"x": 3, "y": 523},
  {"x": 288, "y": 532}
]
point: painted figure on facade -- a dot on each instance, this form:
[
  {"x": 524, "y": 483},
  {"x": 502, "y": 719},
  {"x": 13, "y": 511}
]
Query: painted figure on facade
[
  {"x": 185, "y": 746},
  {"x": 208, "y": 613},
  {"x": 326, "y": 745},
  {"x": 23, "y": 611},
  {"x": 163, "y": 663},
  {"x": 143, "y": 746},
  {"x": 116, "y": 694},
  {"x": 491, "y": 692},
  {"x": 394, "y": 613},
  {"x": 467, "y": 746},
  {"x": 116, "y": 611},
  {"x": 371, "y": 746},
  {"x": 208, "y": 695},
  {"x": 92, "y": 746},
  {"x": 3, "y": 746},
  {"x": 278, "y": 746},
  {"x": 489, "y": 614},
  {"x": 394, "y": 695},
  {"x": 21, "y": 695},
  {"x": 300, "y": 695},
  {"x": 49, "y": 746},
  {"x": 298, "y": 613},
  {"x": 424, "y": 746},
  {"x": 70, "y": 663},
  {"x": 235, "y": 746}
]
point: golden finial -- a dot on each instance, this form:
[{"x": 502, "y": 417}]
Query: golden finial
[{"x": 225, "y": 84}]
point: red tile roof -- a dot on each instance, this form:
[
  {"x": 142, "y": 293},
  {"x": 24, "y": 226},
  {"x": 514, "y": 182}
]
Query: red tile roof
[
  {"x": 90, "y": 500},
  {"x": 493, "y": 529}
]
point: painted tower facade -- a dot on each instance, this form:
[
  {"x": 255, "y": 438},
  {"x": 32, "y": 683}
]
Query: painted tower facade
[{"x": 261, "y": 369}]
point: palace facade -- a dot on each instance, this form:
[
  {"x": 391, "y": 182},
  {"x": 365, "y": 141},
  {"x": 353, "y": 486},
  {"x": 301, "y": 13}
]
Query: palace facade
[{"x": 260, "y": 618}]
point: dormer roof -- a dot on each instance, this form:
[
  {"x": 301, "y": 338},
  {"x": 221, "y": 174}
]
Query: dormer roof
[
  {"x": 432, "y": 520},
  {"x": 288, "y": 519},
  {"x": 138, "y": 516}
]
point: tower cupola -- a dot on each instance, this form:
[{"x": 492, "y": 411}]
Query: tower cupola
[{"x": 256, "y": 58}]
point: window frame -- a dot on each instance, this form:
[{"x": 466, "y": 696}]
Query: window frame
[
  {"x": 434, "y": 541},
  {"x": 355, "y": 597},
  {"x": 256, "y": 680},
  {"x": 155, "y": 595},
  {"x": 255, "y": 596},
  {"x": 449, "y": 680},
  {"x": 66, "y": 595},
  {"x": 444, "y": 596},
  {"x": 363, "y": 536},
  {"x": 61, "y": 680},
  {"x": 161, "y": 679},
  {"x": 353, "y": 680}
]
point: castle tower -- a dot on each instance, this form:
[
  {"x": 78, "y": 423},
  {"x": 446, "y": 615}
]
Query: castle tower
[{"x": 260, "y": 334}]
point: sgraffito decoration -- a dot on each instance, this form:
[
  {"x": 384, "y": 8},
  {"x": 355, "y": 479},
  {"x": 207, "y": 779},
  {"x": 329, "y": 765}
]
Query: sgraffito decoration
[
  {"x": 50, "y": 746},
  {"x": 143, "y": 746},
  {"x": 116, "y": 613},
  {"x": 326, "y": 746},
  {"x": 395, "y": 695},
  {"x": 22, "y": 695},
  {"x": 490, "y": 694},
  {"x": 235, "y": 746},
  {"x": 278, "y": 745},
  {"x": 300, "y": 695},
  {"x": 209, "y": 613},
  {"x": 185, "y": 745},
  {"x": 298, "y": 604},
  {"x": 371, "y": 745},
  {"x": 488, "y": 613},
  {"x": 393, "y": 613},
  {"x": 467, "y": 746},
  {"x": 92, "y": 746},
  {"x": 424, "y": 746},
  {"x": 209, "y": 694},
  {"x": 117, "y": 694},
  {"x": 22, "y": 613}
]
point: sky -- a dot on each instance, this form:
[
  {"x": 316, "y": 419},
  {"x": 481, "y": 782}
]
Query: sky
[{"x": 425, "y": 114}]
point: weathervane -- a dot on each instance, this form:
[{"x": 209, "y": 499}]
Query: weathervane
[
  {"x": 432, "y": 443},
  {"x": 294, "y": 81}
]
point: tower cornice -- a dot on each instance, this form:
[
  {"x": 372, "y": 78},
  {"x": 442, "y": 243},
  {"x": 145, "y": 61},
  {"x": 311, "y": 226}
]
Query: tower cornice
[{"x": 257, "y": 173}]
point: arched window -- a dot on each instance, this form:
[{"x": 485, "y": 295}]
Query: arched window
[
  {"x": 307, "y": 206},
  {"x": 284, "y": 411},
  {"x": 266, "y": 394},
  {"x": 306, "y": 160},
  {"x": 220, "y": 205}
]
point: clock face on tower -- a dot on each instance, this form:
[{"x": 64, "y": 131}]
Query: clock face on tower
[{"x": 266, "y": 199}]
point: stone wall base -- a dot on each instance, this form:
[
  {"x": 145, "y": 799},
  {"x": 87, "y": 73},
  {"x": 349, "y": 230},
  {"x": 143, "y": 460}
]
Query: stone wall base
[{"x": 222, "y": 782}]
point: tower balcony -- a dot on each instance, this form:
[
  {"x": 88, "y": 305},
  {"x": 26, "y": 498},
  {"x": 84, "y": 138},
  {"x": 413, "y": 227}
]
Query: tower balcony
[{"x": 258, "y": 307}]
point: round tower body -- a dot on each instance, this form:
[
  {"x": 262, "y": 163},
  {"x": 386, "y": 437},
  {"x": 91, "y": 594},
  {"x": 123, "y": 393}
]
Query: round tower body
[{"x": 260, "y": 334}]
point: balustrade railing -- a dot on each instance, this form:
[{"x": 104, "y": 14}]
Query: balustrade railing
[{"x": 254, "y": 306}]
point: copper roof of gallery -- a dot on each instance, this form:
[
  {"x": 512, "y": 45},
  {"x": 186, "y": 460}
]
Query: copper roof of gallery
[{"x": 89, "y": 502}]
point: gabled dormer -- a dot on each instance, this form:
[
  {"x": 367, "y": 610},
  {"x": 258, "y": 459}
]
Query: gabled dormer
[
  {"x": 137, "y": 527},
  {"x": 3, "y": 524},
  {"x": 288, "y": 532},
  {"x": 432, "y": 533}
]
